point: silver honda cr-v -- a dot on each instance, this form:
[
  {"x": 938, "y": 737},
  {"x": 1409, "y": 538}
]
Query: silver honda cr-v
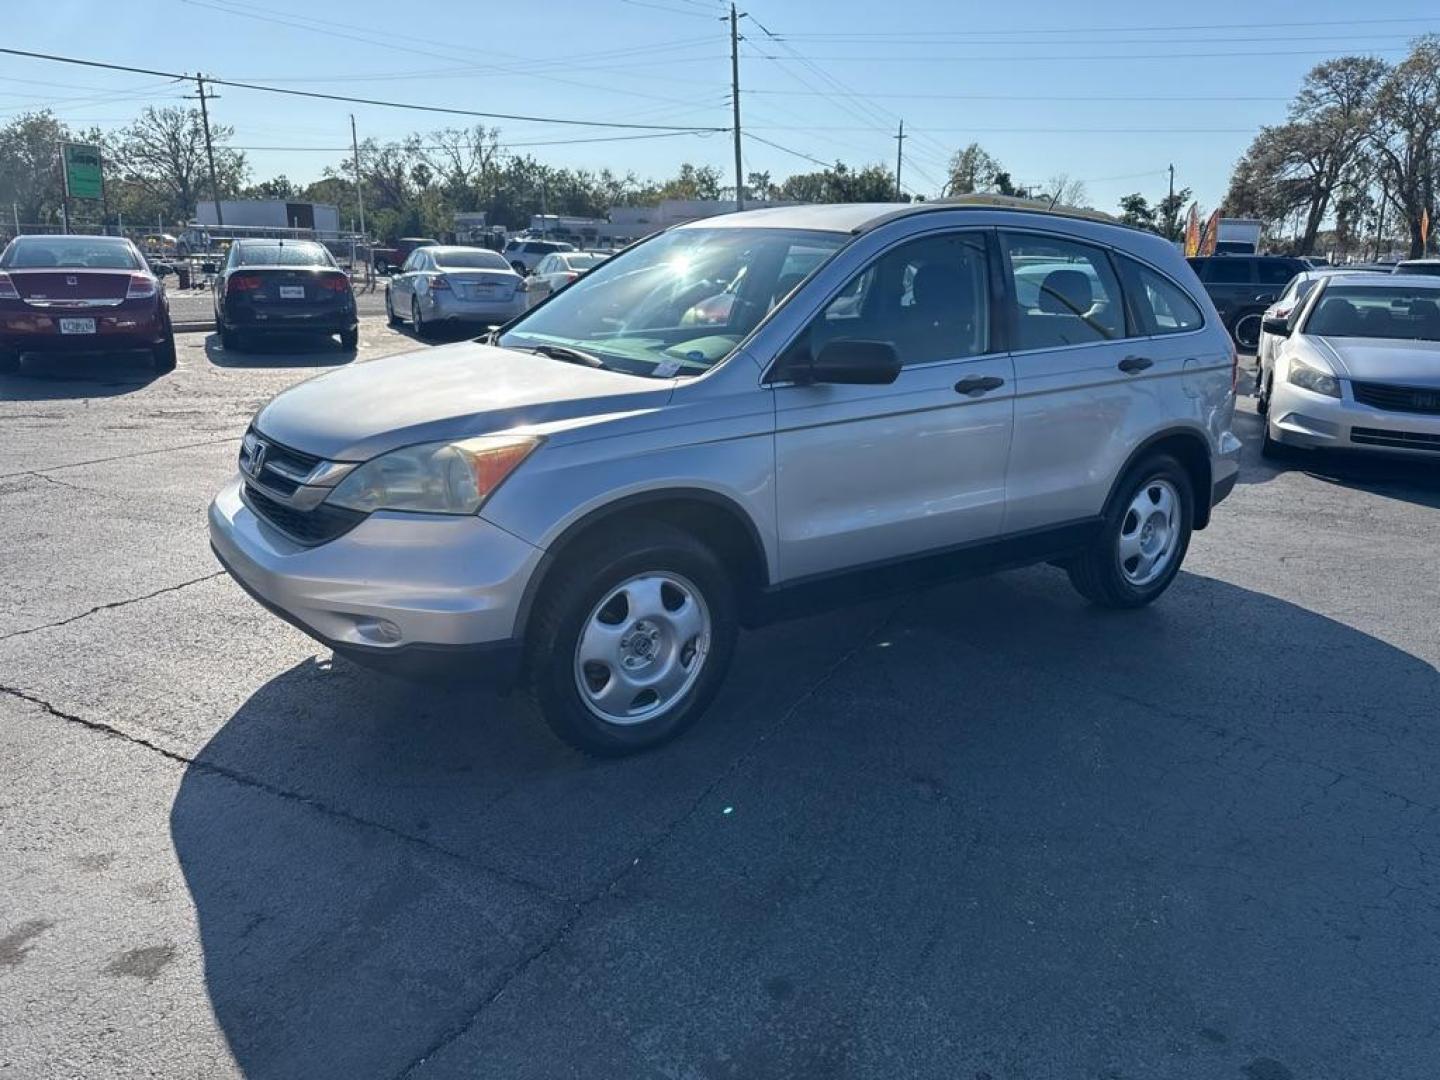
[{"x": 724, "y": 423}]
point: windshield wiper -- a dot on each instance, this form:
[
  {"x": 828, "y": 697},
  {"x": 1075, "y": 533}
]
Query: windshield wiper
[{"x": 569, "y": 355}]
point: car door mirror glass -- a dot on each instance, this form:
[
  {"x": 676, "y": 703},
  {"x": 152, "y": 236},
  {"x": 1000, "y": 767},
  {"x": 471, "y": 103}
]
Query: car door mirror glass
[
  {"x": 1278, "y": 327},
  {"x": 850, "y": 361}
]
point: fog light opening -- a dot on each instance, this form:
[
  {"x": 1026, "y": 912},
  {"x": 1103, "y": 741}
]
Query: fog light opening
[{"x": 382, "y": 631}]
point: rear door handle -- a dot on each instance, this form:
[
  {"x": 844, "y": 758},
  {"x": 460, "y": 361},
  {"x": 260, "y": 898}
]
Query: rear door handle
[
  {"x": 1132, "y": 364},
  {"x": 979, "y": 384}
]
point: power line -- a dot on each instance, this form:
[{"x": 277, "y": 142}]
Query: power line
[
  {"x": 315, "y": 94},
  {"x": 933, "y": 39},
  {"x": 1028, "y": 97},
  {"x": 1091, "y": 28},
  {"x": 868, "y": 58},
  {"x": 666, "y": 7},
  {"x": 509, "y": 145}
]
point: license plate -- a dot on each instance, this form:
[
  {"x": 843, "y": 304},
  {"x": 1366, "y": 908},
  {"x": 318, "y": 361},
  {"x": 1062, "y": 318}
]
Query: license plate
[
  {"x": 484, "y": 292},
  {"x": 77, "y": 326},
  {"x": 292, "y": 292}
]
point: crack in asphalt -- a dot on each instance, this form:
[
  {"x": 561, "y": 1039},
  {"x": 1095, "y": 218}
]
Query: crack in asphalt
[
  {"x": 111, "y": 606},
  {"x": 211, "y": 768},
  {"x": 121, "y": 457},
  {"x": 558, "y": 936}
]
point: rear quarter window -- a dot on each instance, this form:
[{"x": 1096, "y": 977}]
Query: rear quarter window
[{"x": 1160, "y": 305}]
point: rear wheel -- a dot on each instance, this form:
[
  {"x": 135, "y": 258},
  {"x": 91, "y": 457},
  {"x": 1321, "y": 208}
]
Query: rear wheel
[
  {"x": 1144, "y": 538},
  {"x": 1246, "y": 331},
  {"x": 349, "y": 339},
  {"x": 421, "y": 329},
  {"x": 229, "y": 339},
  {"x": 630, "y": 641},
  {"x": 163, "y": 355}
]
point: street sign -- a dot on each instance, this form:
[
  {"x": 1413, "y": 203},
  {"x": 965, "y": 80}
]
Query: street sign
[{"x": 84, "y": 177}]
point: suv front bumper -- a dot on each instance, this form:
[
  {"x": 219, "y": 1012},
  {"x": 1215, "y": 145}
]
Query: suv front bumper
[{"x": 408, "y": 593}]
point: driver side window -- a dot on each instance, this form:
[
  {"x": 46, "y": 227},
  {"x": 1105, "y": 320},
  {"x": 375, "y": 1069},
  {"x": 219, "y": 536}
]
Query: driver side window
[{"x": 928, "y": 298}]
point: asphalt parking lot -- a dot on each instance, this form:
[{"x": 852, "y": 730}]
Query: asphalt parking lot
[{"x": 978, "y": 832}]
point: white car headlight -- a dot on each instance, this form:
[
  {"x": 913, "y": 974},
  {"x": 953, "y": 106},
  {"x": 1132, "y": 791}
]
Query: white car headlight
[
  {"x": 1313, "y": 379},
  {"x": 435, "y": 478}
]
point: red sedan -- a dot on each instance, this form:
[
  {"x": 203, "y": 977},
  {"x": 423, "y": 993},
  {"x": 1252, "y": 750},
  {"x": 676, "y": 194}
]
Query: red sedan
[{"x": 81, "y": 294}]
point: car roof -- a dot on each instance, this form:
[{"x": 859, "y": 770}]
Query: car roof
[
  {"x": 1383, "y": 280},
  {"x": 271, "y": 241},
  {"x": 434, "y": 249},
  {"x": 32, "y": 238},
  {"x": 859, "y": 217}
]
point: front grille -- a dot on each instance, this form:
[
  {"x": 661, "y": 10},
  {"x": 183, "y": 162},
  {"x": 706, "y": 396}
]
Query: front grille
[
  {"x": 1399, "y": 440},
  {"x": 1415, "y": 399},
  {"x": 309, "y": 527},
  {"x": 293, "y": 461}
]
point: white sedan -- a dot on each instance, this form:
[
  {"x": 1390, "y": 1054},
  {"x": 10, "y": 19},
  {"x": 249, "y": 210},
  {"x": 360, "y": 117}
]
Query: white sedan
[
  {"x": 1358, "y": 368},
  {"x": 1290, "y": 298}
]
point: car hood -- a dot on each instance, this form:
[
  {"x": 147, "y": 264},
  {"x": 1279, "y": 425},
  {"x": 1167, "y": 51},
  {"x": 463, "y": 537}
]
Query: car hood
[
  {"x": 448, "y": 392},
  {"x": 1411, "y": 363}
]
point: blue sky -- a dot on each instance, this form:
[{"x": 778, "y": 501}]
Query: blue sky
[{"x": 1111, "y": 95}]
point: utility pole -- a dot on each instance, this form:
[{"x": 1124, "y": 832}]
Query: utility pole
[
  {"x": 735, "y": 104},
  {"x": 899, "y": 157},
  {"x": 359, "y": 199},
  {"x": 209, "y": 150},
  {"x": 1170, "y": 208},
  {"x": 1380, "y": 221}
]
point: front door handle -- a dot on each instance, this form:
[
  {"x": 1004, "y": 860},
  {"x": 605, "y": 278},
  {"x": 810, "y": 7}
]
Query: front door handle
[
  {"x": 979, "y": 384},
  {"x": 1132, "y": 364}
]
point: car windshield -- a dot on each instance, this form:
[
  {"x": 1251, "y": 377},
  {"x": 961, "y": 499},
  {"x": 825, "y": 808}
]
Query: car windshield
[
  {"x": 677, "y": 304},
  {"x": 77, "y": 252},
  {"x": 1404, "y": 312},
  {"x": 469, "y": 260},
  {"x": 279, "y": 254}
]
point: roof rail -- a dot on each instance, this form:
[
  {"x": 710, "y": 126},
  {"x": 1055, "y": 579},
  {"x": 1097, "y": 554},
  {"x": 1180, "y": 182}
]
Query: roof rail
[{"x": 980, "y": 201}]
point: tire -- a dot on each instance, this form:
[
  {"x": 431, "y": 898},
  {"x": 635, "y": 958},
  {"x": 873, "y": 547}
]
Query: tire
[
  {"x": 9, "y": 362},
  {"x": 1262, "y": 395},
  {"x": 1272, "y": 449},
  {"x": 1245, "y": 331},
  {"x": 163, "y": 356},
  {"x": 229, "y": 339},
  {"x": 349, "y": 340},
  {"x": 1104, "y": 574},
  {"x": 640, "y": 579},
  {"x": 422, "y": 330},
  {"x": 390, "y": 316}
]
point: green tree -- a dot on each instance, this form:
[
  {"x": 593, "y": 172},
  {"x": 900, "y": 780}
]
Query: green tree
[
  {"x": 1406, "y": 138},
  {"x": 972, "y": 169},
  {"x": 30, "y": 181},
  {"x": 162, "y": 155}
]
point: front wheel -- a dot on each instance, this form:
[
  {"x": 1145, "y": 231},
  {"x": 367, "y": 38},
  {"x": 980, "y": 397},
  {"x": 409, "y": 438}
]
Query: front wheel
[
  {"x": 390, "y": 316},
  {"x": 1143, "y": 540},
  {"x": 631, "y": 640}
]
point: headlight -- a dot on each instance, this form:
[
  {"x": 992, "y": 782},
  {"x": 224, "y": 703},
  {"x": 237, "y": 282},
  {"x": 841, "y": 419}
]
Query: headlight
[
  {"x": 1313, "y": 379},
  {"x": 435, "y": 478}
]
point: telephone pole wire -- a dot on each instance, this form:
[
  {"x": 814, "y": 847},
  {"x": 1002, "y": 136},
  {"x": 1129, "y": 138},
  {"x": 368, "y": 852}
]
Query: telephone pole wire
[
  {"x": 209, "y": 150},
  {"x": 899, "y": 157},
  {"x": 735, "y": 105}
]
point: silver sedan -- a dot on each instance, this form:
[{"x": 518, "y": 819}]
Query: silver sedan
[
  {"x": 440, "y": 284},
  {"x": 1358, "y": 368}
]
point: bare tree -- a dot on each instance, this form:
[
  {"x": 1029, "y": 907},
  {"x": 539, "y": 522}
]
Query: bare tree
[
  {"x": 163, "y": 153},
  {"x": 1408, "y": 130}
]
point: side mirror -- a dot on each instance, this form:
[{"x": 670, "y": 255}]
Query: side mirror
[
  {"x": 1278, "y": 327},
  {"x": 852, "y": 362}
]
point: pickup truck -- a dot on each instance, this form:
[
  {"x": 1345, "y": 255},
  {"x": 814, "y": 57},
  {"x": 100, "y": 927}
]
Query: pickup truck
[{"x": 386, "y": 259}]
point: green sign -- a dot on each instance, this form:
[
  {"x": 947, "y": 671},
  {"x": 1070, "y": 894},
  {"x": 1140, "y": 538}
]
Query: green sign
[{"x": 83, "y": 176}]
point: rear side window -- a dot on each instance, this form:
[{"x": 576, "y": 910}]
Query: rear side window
[
  {"x": 1161, "y": 306},
  {"x": 1065, "y": 292},
  {"x": 1276, "y": 273},
  {"x": 1222, "y": 271}
]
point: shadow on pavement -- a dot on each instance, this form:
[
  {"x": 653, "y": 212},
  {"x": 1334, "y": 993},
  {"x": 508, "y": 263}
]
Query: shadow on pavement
[
  {"x": 49, "y": 378},
  {"x": 996, "y": 831},
  {"x": 279, "y": 350}
]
